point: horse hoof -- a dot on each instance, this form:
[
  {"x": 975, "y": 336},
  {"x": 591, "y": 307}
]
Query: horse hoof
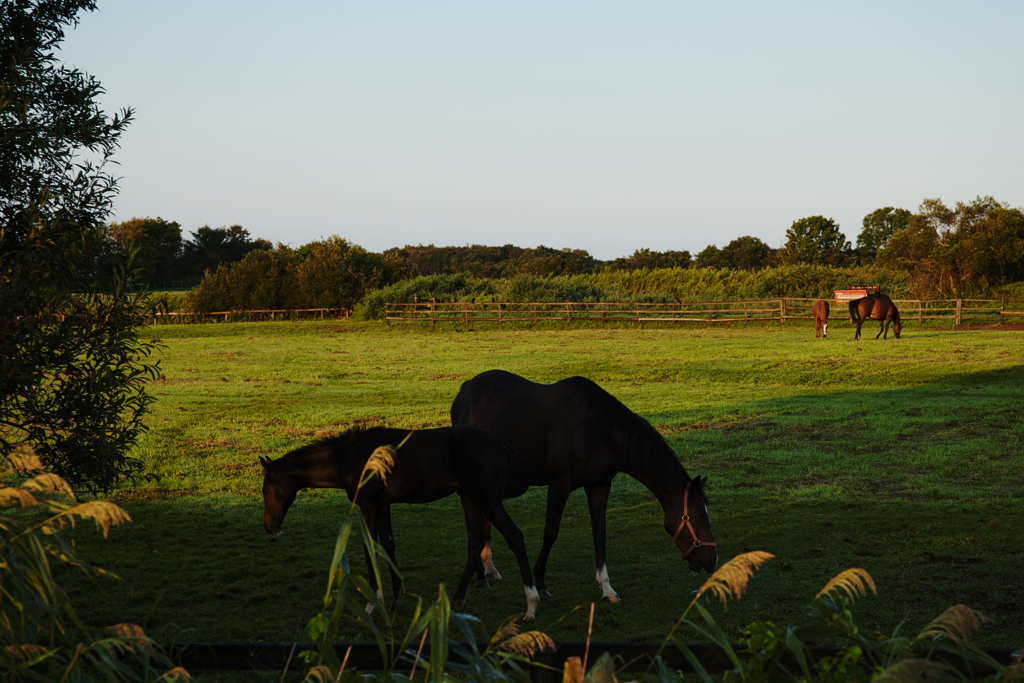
[
  {"x": 613, "y": 598},
  {"x": 481, "y": 583},
  {"x": 458, "y": 603}
]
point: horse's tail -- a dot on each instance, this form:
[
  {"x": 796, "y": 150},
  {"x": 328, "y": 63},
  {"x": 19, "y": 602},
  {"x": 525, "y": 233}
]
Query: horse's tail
[{"x": 854, "y": 313}]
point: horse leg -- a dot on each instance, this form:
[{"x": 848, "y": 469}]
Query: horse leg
[
  {"x": 480, "y": 565},
  {"x": 370, "y": 517},
  {"x": 514, "y": 537},
  {"x": 485, "y": 568},
  {"x": 474, "y": 545},
  {"x": 489, "y": 570},
  {"x": 597, "y": 501},
  {"x": 558, "y": 495},
  {"x": 859, "y": 323},
  {"x": 388, "y": 541},
  {"x": 882, "y": 327}
]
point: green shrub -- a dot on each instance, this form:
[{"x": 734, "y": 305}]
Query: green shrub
[
  {"x": 721, "y": 284},
  {"x": 767, "y": 652},
  {"x": 445, "y": 287},
  {"x": 261, "y": 280},
  {"x": 41, "y": 636}
]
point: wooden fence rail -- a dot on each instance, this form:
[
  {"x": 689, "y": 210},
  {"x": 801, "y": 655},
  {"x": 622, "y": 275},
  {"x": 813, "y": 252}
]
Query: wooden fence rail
[
  {"x": 162, "y": 317},
  {"x": 780, "y": 310}
]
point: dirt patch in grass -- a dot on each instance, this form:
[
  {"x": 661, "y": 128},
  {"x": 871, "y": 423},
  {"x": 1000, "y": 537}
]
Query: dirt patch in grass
[
  {"x": 748, "y": 425},
  {"x": 372, "y": 421},
  {"x": 272, "y": 422},
  {"x": 238, "y": 466},
  {"x": 150, "y": 493},
  {"x": 203, "y": 448},
  {"x": 319, "y": 433}
]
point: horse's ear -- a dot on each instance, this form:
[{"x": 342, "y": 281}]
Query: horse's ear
[{"x": 264, "y": 461}]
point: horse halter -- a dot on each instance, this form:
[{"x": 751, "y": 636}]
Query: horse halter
[{"x": 685, "y": 522}]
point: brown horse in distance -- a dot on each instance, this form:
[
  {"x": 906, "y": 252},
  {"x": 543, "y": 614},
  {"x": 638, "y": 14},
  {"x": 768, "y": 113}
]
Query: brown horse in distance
[
  {"x": 876, "y": 307},
  {"x": 820, "y": 312}
]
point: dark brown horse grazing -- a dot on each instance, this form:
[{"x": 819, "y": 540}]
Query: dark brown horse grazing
[
  {"x": 432, "y": 464},
  {"x": 820, "y": 312},
  {"x": 573, "y": 434},
  {"x": 875, "y": 307}
]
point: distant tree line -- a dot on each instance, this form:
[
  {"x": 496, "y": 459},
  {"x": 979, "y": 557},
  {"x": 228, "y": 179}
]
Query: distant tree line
[
  {"x": 968, "y": 249},
  {"x": 164, "y": 258}
]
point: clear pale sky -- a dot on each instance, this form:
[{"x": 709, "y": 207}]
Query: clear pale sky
[{"x": 606, "y": 126}]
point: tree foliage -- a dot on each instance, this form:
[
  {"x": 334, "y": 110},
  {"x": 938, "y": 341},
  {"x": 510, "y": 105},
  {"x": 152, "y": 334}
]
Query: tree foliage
[
  {"x": 879, "y": 226},
  {"x": 645, "y": 258},
  {"x": 968, "y": 249},
  {"x": 505, "y": 261},
  {"x": 816, "y": 240},
  {"x": 333, "y": 273},
  {"x": 72, "y": 369},
  {"x": 710, "y": 257},
  {"x": 155, "y": 244},
  {"x": 747, "y": 253},
  {"x": 209, "y": 248}
]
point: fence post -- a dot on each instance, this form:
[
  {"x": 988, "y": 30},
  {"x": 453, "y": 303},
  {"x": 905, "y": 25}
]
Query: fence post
[
  {"x": 920, "y": 312},
  {"x": 432, "y": 302},
  {"x": 959, "y": 310},
  {"x": 1002, "y": 307},
  {"x": 782, "y": 311},
  {"x": 745, "y": 311},
  {"x": 568, "y": 316}
]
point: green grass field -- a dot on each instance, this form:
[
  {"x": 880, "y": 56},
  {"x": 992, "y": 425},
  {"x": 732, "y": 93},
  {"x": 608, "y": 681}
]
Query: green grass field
[{"x": 900, "y": 457}]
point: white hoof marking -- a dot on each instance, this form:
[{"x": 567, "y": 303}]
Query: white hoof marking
[
  {"x": 606, "y": 588},
  {"x": 370, "y": 605},
  {"x": 532, "y": 600}
]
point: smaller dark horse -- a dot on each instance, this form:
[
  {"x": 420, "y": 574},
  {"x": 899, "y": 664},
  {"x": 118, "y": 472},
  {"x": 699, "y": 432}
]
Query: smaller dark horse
[
  {"x": 820, "y": 312},
  {"x": 876, "y": 307},
  {"x": 430, "y": 465}
]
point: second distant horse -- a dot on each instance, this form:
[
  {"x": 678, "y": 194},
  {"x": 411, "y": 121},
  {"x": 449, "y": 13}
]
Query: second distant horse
[
  {"x": 820, "y": 312},
  {"x": 876, "y": 307}
]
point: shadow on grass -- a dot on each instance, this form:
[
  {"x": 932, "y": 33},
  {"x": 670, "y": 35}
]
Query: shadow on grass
[{"x": 919, "y": 485}]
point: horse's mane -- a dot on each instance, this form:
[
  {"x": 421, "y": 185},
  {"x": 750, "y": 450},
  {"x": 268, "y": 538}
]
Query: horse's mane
[
  {"x": 344, "y": 439},
  {"x": 634, "y": 434}
]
